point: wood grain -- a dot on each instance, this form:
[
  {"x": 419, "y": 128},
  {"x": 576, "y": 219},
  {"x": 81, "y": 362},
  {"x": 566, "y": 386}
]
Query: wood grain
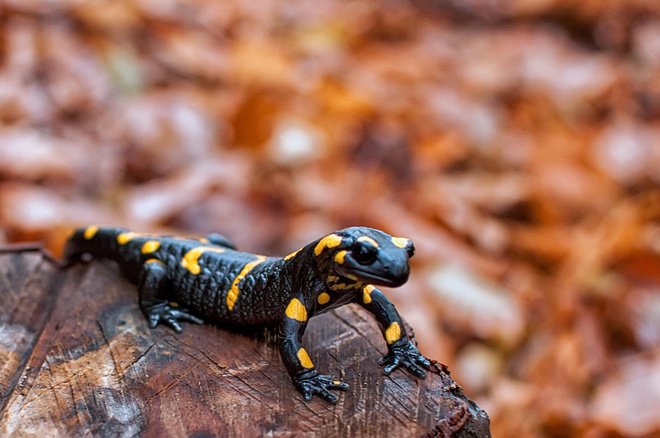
[{"x": 77, "y": 358}]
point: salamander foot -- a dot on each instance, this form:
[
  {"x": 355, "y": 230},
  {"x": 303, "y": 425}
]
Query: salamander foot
[
  {"x": 320, "y": 384},
  {"x": 164, "y": 312},
  {"x": 404, "y": 352}
]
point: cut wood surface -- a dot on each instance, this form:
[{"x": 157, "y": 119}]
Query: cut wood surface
[{"x": 77, "y": 358}]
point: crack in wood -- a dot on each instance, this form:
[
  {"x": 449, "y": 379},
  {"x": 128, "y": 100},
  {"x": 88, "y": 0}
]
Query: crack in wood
[
  {"x": 118, "y": 368},
  {"x": 140, "y": 357},
  {"x": 170, "y": 385},
  {"x": 31, "y": 366}
]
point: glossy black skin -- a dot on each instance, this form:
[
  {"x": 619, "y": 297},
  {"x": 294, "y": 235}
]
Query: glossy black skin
[{"x": 266, "y": 292}]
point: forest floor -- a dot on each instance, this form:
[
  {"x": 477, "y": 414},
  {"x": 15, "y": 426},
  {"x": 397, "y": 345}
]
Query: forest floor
[{"x": 517, "y": 144}]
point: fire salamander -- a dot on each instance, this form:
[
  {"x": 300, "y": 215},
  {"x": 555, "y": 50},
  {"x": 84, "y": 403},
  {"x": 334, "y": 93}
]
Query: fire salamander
[{"x": 187, "y": 280}]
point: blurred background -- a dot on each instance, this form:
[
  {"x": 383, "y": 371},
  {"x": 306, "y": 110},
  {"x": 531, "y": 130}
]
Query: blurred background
[{"x": 517, "y": 142}]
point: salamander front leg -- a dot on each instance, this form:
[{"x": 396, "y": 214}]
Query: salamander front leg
[
  {"x": 154, "y": 308},
  {"x": 298, "y": 363},
  {"x": 401, "y": 350}
]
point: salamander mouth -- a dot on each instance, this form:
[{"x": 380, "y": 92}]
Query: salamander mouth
[{"x": 377, "y": 279}]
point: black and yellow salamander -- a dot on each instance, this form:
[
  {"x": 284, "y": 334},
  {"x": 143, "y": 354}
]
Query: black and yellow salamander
[{"x": 209, "y": 279}]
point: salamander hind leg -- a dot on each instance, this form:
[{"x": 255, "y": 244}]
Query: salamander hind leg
[{"x": 155, "y": 308}]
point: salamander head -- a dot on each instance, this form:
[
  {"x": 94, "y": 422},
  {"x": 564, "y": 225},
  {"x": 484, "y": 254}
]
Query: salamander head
[{"x": 366, "y": 255}]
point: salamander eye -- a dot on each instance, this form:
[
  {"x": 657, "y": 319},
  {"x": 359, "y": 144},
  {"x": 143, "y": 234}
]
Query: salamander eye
[{"x": 364, "y": 254}]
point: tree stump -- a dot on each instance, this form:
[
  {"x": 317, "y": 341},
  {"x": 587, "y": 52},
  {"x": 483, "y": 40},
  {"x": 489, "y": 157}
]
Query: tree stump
[{"x": 77, "y": 358}]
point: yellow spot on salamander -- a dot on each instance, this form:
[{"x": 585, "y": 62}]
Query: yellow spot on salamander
[
  {"x": 401, "y": 242},
  {"x": 190, "y": 260},
  {"x": 296, "y": 310},
  {"x": 232, "y": 294},
  {"x": 150, "y": 246},
  {"x": 393, "y": 333},
  {"x": 90, "y": 232},
  {"x": 304, "y": 358},
  {"x": 124, "y": 238},
  {"x": 329, "y": 241},
  {"x": 366, "y": 293},
  {"x": 323, "y": 298},
  {"x": 369, "y": 240},
  {"x": 204, "y": 240},
  {"x": 340, "y": 256},
  {"x": 154, "y": 261},
  {"x": 292, "y": 255}
]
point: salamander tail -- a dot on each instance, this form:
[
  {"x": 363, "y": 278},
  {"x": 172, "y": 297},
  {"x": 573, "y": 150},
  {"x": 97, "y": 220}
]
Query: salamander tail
[{"x": 93, "y": 241}]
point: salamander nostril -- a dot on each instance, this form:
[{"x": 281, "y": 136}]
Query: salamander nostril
[{"x": 410, "y": 249}]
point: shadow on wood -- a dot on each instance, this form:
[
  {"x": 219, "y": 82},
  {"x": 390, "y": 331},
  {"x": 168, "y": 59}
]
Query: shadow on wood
[{"x": 77, "y": 358}]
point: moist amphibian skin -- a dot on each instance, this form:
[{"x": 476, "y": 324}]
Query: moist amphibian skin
[{"x": 196, "y": 280}]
